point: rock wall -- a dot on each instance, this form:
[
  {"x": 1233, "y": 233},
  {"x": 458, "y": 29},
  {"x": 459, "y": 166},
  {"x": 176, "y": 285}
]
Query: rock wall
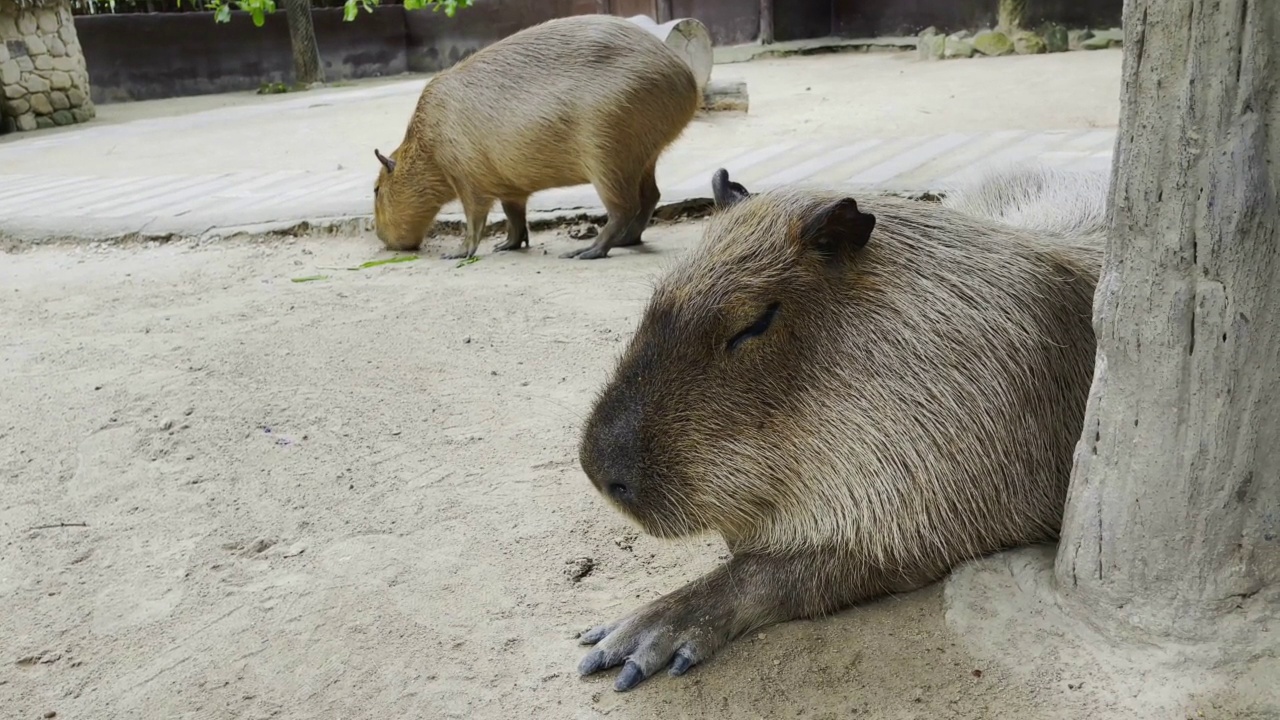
[{"x": 43, "y": 81}]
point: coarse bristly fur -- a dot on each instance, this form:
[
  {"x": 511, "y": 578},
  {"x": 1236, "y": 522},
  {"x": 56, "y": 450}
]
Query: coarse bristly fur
[
  {"x": 1038, "y": 198},
  {"x": 856, "y": 396},
  {"x": 585, "y": 99}
]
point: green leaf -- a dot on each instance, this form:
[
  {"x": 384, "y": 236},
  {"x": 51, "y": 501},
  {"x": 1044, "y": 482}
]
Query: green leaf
[
  {"x": 468, "y": 261},
  {"x": 349, "y": 11},
  {"x": 386, "y": 261},
  {"x": 223, "y": 14},
  {"x": 309, "y": 278}
]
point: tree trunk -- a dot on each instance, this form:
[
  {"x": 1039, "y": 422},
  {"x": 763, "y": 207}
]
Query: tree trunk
[
  {"x": 1173, "y": 518},
  {"x": 1010, "y": 14},
  {"x": 307, "y": 67},
  {"x": 766, "y": 22}
]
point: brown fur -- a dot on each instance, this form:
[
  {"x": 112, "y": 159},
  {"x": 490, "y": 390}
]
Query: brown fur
[
  {"x": 914, "y": 403},
  {"x": 573, "y": 100}
]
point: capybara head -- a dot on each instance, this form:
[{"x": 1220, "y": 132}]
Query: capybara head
[
  {"x": 879, "y": 373},
  {"x": 730, "y": 346},
  {"x": 406, "y": 198}
]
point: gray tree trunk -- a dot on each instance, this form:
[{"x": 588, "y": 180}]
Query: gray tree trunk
[
  {"x": 1173, "y": 518},
  {"x": 307, "y": 67},
  {"x": 1010, "y": 14}
]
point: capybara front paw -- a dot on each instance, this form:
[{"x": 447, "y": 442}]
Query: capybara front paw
[
  {"x": 593, "y": 252},
  {"x": 666, "y": 633},
  {"x": 512, "y": 244}
]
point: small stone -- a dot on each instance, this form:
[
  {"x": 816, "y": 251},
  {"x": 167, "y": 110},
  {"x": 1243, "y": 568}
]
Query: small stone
[
  {"x": 49, "y": 23},
  {"x": 14, "y": 108},
  {"x": 957, "y": 48},
  {"x": 65, "y": 64},
  {"x": 931, "y": 47},
  {"x": 51, "y": 714},
  {"x": 68, "y": 35},
  {"x": 35, "y": 46},
  {"x": 8, "y": 26},
  {"x": 13, "y": 92},
  {"x": 960, "y": 35},
  {"x": 166, "y": 426},
  {"x": 27, "y": 24},
  {"x": 40, "y": 104},
  {"x": 931, "y": 30},
  {"x": 37, "y": 84},
  {"x": 4, "y": 52},
  {"x": 60, "y": 80},
  {"x": 59, "y": 100},
  {"x": 57, "y": 48},
  {"x": 760, "y": 636},
  {"x": 1055, "y": 38},
  {"x": 27, "y": 122},
  {"x": 25, "y": 64},
  {"x": 83, "y": 114},
  {"x": 579, "y": 568},
  {"x": 76, "y": 96},
  {"x": 10, "y": 74},
  {"x": 44, "y": 122},
  {"x": 583, "y": 231},
  {"x": 1103, "y": 39},
  {"x": 43, "y": 62},
  {"x": 1028, "y": 43},
  {"x": 977, "y": 673},
  {"x": 992, "y": 43},
  {"x": 1076, "y": 38}
]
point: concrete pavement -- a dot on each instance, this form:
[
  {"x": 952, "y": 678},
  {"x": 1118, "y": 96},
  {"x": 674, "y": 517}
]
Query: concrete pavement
[{"x": 271, "y": 163}]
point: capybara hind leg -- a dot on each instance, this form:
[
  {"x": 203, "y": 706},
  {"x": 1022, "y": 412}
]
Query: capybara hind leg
[
  {"x": 477, "y": 212},
  {"x": 517, "y": 226},
  {"x": 623, "y": 207},
  {"x": 649, "y": 196},
  {"x": 688, "y": 626}
]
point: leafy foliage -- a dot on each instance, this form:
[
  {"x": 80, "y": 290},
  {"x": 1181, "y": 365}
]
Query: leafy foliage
[{"x": 259, "y": 9}]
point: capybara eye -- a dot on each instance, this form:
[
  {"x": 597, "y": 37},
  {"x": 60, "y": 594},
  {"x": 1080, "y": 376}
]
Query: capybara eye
[{"x": 755, "y": 329}]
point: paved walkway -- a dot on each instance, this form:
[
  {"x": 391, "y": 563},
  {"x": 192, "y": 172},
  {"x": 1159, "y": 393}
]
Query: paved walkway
[
  {"x": 258, "y": 163},
  {"x": 96, "y": 206}
]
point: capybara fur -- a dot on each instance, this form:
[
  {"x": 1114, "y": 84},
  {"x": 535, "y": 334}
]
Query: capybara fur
[
  {"x": 856, "y": 394},
  {"x": 585, "y": 99}
]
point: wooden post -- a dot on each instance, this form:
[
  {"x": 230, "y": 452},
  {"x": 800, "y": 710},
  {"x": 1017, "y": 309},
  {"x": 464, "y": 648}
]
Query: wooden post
[{"x": 665, "y": 11}]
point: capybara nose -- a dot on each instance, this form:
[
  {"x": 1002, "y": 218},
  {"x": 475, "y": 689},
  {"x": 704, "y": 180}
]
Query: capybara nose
[{"x": 610, "y": 449}]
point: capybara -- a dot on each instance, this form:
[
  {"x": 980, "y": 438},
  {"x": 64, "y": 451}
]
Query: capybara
[
  {"x": 857, "y": 395},
  {"x": 585, "y": 99}
]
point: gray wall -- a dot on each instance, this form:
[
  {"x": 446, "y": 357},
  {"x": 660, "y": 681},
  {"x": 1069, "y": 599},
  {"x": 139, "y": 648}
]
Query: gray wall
[{"x": 148, "y": 56}]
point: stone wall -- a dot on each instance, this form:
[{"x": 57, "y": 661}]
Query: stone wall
[{"x": 43, "y": 81}]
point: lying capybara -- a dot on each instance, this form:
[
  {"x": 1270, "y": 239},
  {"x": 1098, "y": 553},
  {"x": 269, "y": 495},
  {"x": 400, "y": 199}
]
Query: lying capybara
[
  {"x": 586, "y": 99},
  {"x": 857, "y": 395}
]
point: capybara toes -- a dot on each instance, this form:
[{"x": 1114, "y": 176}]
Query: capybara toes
[
  {"x": 855, "y": 394},
  {"x": 586, "y": 99}
]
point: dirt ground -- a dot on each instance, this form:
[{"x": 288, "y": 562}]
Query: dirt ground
[{"x": 358, "y": 497}]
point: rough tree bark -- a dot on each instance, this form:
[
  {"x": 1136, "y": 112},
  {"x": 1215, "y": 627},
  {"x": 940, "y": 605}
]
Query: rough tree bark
[
  {"x": 766, "y": 22},
  {"x": 1173, "y": 518},
  {"x": 307, "y": 67},
  {"x": 1010, "y": 14}
]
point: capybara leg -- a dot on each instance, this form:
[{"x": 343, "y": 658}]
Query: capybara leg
[
  {"x": 623, "y": 207},
  {"x": 690, "y": 625},
  {"x": 649, "y": 196},
  {"x": 477, "y": 212},
  {"x": 517, "y": 226}
]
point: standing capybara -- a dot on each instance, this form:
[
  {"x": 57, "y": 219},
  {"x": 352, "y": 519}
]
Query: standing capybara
[
  {"x": 574, "y": 100},
  {"x": 856, "y": 395}
]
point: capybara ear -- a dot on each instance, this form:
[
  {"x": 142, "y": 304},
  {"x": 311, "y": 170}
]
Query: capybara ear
[
  {"x": 840, "y": 226},
  {"x": 387, "y": 162},
  {"x": 725, "y": 191}
]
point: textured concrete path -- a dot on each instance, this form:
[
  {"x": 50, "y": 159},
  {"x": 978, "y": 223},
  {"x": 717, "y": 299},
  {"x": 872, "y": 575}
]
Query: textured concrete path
[
  {"x": 222, "y": 164},
  {"x": 96, "y": 206}
]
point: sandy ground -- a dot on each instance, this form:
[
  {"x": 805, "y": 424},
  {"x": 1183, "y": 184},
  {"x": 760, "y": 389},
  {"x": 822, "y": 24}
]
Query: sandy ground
[
  {"x": 838, "y": 96},
  {"x": 358, "y": 498}
]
